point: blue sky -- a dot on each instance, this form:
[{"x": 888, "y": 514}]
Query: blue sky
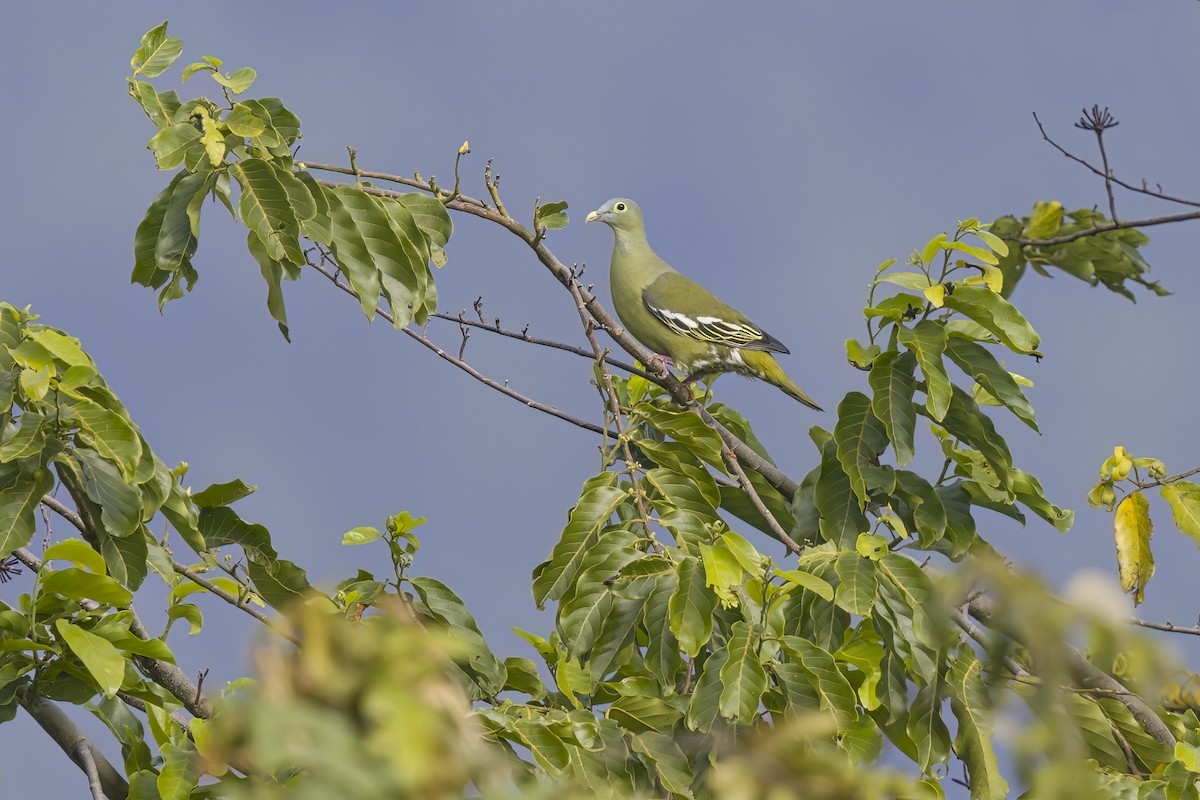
[{"x": 778, "y": 156}]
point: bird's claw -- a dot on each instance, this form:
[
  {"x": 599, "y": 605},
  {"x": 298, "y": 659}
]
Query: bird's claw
[{"x": 661, "y": 365}]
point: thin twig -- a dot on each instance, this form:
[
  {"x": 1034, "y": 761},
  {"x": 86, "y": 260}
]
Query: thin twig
[
  {"x": 233, "y": 600},
  {"x": 1164, "y": 626},
  {"x": 438, "y": 350},
  {"x": 609, "y": 393},
  {"x": 82, "y": 756},
  {"x": 1123, "y": 184},
  {"x": 776, "y": 529},
  {"x": 1115, "y": 226},
  {"x": 525, "y": 337}
]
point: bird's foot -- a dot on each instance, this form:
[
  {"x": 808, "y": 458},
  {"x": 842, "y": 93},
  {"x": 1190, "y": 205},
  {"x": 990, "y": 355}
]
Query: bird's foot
[{"x": 661, "y": 365}]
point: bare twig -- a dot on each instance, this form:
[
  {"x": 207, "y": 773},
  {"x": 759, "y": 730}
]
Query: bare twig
[
  {"x": 610, "y": 396},
  {"x": 438, "y": 350},
  {"x": 523, "y": 335},
  {"x": 1169, "y": 627},
  {"x": 1143, "y": 189},
  {"x": 777, "y": 530}
]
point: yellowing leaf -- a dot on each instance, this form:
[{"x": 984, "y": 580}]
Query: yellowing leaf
[
  {"x": 1184, "y": 499},
  {"x": 936, "y": 295},
  {"x": 1133, "y": 531},
  {"x": 1046, "y": 220}
]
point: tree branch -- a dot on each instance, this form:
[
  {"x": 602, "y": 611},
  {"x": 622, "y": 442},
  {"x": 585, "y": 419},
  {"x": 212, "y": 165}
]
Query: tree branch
[
  {"x": 234, "y": 601},
  {"x": 1114, "y": 226},
  {"x": 75, "y": 743},
  {"x": 776, "y": 529},
  {"x": 1091, "y": 677},
  {"x": 680, "y": 392}
]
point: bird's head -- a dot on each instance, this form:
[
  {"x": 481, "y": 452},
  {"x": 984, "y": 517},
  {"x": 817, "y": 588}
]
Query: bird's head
[{"x": 620, "y": 214}]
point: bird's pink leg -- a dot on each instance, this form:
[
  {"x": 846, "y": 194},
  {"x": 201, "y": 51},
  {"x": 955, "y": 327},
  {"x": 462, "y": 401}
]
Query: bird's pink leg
[{"x": 661, "y": 364}]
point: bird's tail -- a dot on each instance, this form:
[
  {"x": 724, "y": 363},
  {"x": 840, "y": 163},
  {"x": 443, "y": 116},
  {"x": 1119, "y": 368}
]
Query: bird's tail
[{"x": 764, "y": 365}]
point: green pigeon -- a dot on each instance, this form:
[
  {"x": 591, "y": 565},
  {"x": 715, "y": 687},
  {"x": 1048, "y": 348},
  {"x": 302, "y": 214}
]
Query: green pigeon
[{"x": 676, "y": 317}]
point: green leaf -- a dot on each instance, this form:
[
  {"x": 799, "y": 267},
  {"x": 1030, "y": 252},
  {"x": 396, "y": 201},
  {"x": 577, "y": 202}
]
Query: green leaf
[
  {"x": 100, "y": 657},
  {"x": 1029, "y": 492},
  {"x": 1046, "y": 220},
  {"x": 598, "y": 500},
  {"x": 1135, "y": 561},
  {"x": 179, "y": 774},
  {"x": 807, "y": 581},
  {"x": 893, "y": 385},
  {"x": 126, "y": 558},
  {"x": 927, "y": 729},
  {"x": 238, "y": 82},
  {"x": 361, "y": 535},
  {"x": 167, "y": 238},
  {"x": 638, "y": 713},
  {"x": 171, "y": 145},
  {"x": 927, "y": 341},
  {"x": 993, "y": 312},
  {"x": 221, "y": 525},
  {"x": 160, "y": 107},
  {"x": 446, "y": 607},
  {"x": 191, "y": 613},
  {"x": 1184, "y": 499},
  {"x": 861, "y": 439},
  {"x": 223, "y": 494},
  {"x": 20, "y": 494},
  {"x": 691, "y": 607},
  {"x": 973, "y": 742},
  {"x": 521, "y": 675},
  {"x": 550, "y": 216},
  {"x": 928, "y": 513},
  {"x": 685, "y": 427},
  {"x": 832, "y": 688},
  {"x": 266, "y": 207},
  {"x": 406, "y": 280},
  {"x": 704, "y": 707},
  {"x": 78, "y": 552},
  {"x": 842, "y": 519},
  {"x": 978, "y": 362},
  {"x": 279, "y": 582},
  {"x": 857, "y": 583},
  {"x": 433, "y": 219},
  {"x": 742, "y": 677},
  {"x": 673, "y": 768},
  {"x": 120, "y": 504},
  {"x": 273, "y": 273},
  {"x": 972, "y": 426},
  {"x": 156, "y": 53},
  {"x": 28, "y": 440},
  {"x": 76, "y": 584},
  {"x": 662, "y": 648}
]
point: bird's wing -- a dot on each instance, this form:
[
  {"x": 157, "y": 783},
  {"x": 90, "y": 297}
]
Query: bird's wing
[{"x": 689, "y": 309}]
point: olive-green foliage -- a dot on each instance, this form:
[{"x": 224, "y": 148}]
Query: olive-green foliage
[{"x": 683, "y": 660}]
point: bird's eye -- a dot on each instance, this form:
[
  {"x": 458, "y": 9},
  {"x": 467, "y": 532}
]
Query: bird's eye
[{"x": 620, "y": 206}]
